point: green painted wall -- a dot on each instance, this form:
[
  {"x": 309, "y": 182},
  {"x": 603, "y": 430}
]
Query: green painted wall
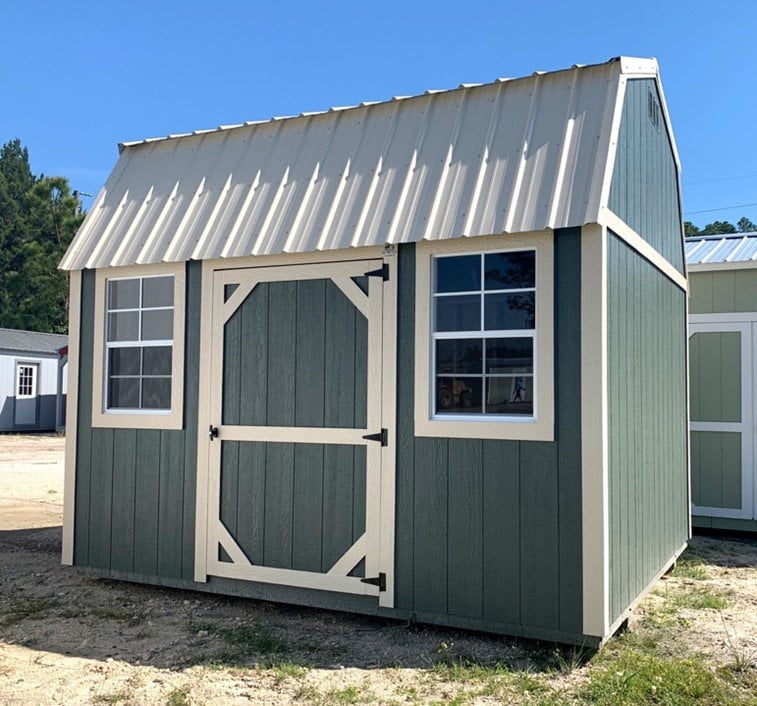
[
  {"x": 724, "y": 524},
  {"x": 491, "y": 530},
  {"x": 644, "y": 188},
  {"x": 716, "y": 469},
  {"x": 723, "y": 291},
  {"x": 488, "y": 532},
  {"x": 135, "y": 489},
  {"x": 715, "y": 376},
  {"x": 647, "y": 419}
]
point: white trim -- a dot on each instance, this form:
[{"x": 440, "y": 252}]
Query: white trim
[
  {"x": 292, "y": 435},
  {"x": 351, "y": 558},
  {"x": 203, "y": 422},
  {"x": 723, "y": 317},
  {"x": 389, "y": 418},
  {"x": 139, "y": 419},
  {"x": 594, "y": 432},
  {"x": 34, "y": 380},
  {"x": 539, "y": 427},
  {"x": 748, "y": 333},
  {"x": 719, "y": 266},
  {"x": 613, "y": 136},
  {"x": 72, "y": 396},
  {"x": 628, "y": 235}
]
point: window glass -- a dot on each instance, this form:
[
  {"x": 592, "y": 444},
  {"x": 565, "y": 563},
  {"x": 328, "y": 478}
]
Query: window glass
[
  {"x": 138, "y": 361},
  {"x": 484, "y": 367},
  {"x": 458, "y": 274}
]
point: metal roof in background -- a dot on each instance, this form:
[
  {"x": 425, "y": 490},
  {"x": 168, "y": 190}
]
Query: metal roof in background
[
  {"x": 509, "y": 156},
  {"x": 710, "y": 249},
  {"x": 31, "y": 341}
]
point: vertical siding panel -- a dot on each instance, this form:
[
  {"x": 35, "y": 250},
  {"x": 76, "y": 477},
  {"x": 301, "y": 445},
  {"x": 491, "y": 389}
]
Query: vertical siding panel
[
  {"x": 464, "y": 518},
  {"x": 250, "y": 520},
  {"x": 358, "y": 491},
  {"x": 124, "y": 486},
  {"x": 191, "y": 391},
  {"x": 501, "y": 527},
  {"x": 279, "y": 483},
  {"x": 146, "y": 505},
  {"x": 538, "y": 538},
  {"x": 311, "y": 353},
  {"x": 84, "y": 421},
  {"x": 170, "y": 504},
  {"x": 101, "y": 485},
  {"x": 404, "y": 541},
  {"x": 430, "y": 535},
  {"x": 338, "y": 470},
  {"x": 308, "y": 508},
  {"x": 281, "y": 353},
  {"x": 340, "y": 359},
  {"x": 567, "y": 431},
  {"x": 254, "y": 362}
]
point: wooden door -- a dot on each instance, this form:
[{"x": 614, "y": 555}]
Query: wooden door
[
  {"x": 722, "y": 427},
  {"x": 294, "y": 457}
]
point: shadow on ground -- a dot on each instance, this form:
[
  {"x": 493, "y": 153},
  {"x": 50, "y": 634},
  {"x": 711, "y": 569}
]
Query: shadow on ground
[{"x": 50, "y": 608}]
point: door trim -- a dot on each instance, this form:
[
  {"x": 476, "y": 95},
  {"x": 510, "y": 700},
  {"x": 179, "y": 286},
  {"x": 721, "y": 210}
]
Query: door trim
[
  {"x": 385, "y": 388},
  {"x": 34, "y": 398},
  {"x": 746, "y": 427}
]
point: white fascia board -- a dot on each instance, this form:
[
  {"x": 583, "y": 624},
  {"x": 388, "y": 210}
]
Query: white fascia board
[{"x": 714, "y": 266}]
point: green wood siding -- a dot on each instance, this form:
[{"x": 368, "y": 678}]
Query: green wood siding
[
  {"x": 135, "y": 488},
  {"x": 488, "y": 533},
  {"x": 723, "y": 291},
  {"x": 715, "y": 376},
  {"x": 644, "y": 188},
  {"x": 647, "y": 422},
  {"x": 726, "y": 524},
  {"x": 716, "y": 469},
  {"x": 491, "y": 530}
]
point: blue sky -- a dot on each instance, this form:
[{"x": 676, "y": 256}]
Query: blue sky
[{"x": 81, "y": 76}]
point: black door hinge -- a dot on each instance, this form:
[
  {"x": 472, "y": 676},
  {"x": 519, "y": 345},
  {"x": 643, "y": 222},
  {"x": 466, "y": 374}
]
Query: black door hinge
[
  {"x": 382, "y": 437},
  {"x": 379, "y": 581},
  {"x": 382, "y": 272},
  {"x": 213, "y": 432}
]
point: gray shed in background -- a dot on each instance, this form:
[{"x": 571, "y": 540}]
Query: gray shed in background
[
  {"x": 723, "y": 375},
  {"x": 422, "y": 358},
  {"x": 32, "y": 380}
]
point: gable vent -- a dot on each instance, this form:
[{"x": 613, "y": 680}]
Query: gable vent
[{"x": 653, "y": 110}]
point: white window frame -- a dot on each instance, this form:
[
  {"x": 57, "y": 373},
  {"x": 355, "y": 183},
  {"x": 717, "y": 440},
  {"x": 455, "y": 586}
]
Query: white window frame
[
  {"x": 102, "y": 416},
  {"x": 34, "y": 367},
  {"x": 539, "y": 426}
]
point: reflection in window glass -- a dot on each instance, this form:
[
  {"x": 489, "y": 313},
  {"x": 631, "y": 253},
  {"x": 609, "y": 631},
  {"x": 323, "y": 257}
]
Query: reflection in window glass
[
  {"x": 139, "y": 320},
  {"x": 484, "y": 308}
]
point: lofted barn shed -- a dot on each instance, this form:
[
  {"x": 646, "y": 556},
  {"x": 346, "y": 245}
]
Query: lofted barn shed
[{"x": 422, "y": 358}]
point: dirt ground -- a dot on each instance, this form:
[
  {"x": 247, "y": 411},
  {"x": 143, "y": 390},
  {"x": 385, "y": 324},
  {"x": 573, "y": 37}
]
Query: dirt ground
[{"x": 66, "y": 638}]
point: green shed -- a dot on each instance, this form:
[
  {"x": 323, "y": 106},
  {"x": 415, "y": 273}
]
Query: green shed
[
  {"x": 421, "y": 358},
  {"x": 722, "y": 355}
]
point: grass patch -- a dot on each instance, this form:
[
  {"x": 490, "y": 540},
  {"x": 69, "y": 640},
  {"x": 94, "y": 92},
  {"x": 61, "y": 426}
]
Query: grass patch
[
  {"x": 701, "y": 598},
  {"x": 635, "y": 678},
  {"x": 690, "y": 568},
  {"x": 335, "y": 697},
  {"x": 281, "y": 671},
  {"x": 178, "y": 697},
  {"x": 118, "y": 698},
  {"x": 253, "y": 639},
  {"x": 120, "y": 614},
  {"x": 27, "y": 609}
]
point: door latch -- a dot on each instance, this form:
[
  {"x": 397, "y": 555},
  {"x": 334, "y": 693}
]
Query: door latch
[{"x": 213, "y": 432}]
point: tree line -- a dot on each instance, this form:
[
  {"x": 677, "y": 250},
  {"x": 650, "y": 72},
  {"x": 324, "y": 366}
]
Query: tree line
[
  {"x": 743, "y": 225},
  {"x": 39, "y": 216}
]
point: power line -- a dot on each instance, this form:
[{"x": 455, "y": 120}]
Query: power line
[
  {"x": 724, "y": 208},
  {"x": 710, "y": 181}
]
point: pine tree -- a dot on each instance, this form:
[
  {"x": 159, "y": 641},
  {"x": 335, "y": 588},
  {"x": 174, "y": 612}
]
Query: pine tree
[{"x": 38, "y": 218}]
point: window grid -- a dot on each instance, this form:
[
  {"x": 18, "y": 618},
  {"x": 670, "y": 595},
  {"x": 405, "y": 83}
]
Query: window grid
[
  {"x": 25, "y": 383},
  {"x": 483, "y": 334},
  {"x": 136, "y": 343}
]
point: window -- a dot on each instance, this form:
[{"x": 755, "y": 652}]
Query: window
[
  {"x": 484, "y": 318},
  {"x": 139, "y": 333},
  {"x": 26, "y": 381},
  {"x": 139, "y": 324},
  {"x": 484, "y": 347}
]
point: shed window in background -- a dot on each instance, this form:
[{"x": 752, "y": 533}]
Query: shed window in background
[
  {"x": 483, "y": 334},
  {"x": 139, "y": 321}
]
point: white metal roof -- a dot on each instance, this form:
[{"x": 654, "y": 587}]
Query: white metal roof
[
  {"x": 711, "y": 249},
  {"x": 31, "y": 341},
  {"x": 504, "y": 157}
]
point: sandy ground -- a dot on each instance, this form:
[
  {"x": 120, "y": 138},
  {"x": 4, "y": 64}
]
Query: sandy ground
[{"x": 66, "y": 638}]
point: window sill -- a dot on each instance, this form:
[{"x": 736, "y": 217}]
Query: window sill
[
  {"x": 517, "y": 430},
  {"x": 137, "y": 420}
]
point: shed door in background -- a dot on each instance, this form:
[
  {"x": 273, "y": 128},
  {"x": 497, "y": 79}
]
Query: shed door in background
[
  {"x": 722, "y": 418},
  {"x": 295, "y": 389},
  {"x": 27, "y": 386}
]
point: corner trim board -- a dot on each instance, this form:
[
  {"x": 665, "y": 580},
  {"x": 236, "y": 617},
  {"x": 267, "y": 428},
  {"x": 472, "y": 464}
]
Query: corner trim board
[
  {"x": 594, "y": 432},
  {"x": 69, "y": 479}
]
